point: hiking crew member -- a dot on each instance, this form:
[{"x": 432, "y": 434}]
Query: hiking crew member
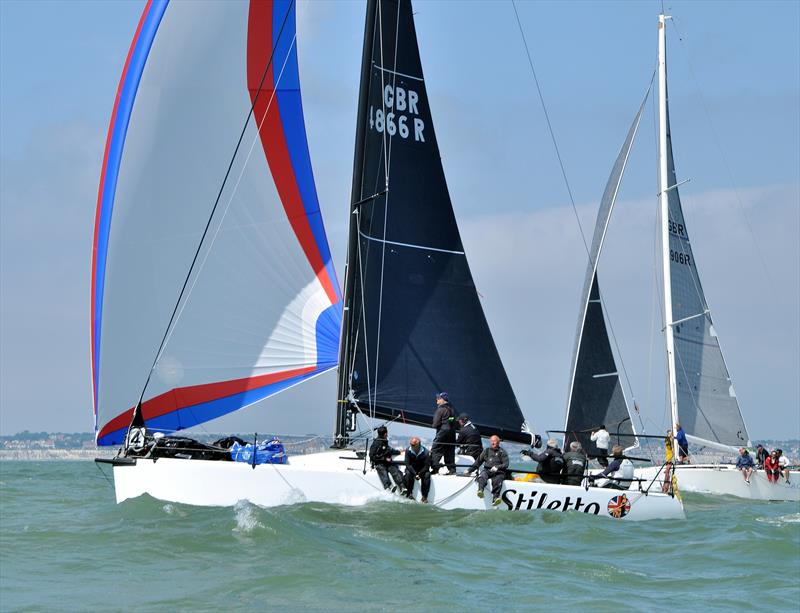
[
  {"x": 783, "y": 464},
  {"x": 444, "y": 443},
  {"x": 761, "y": 456},
  {"x": 683, "y": 445},
  {"x": 468, "y": 437},
  {"x": 772, "y": 467},
  {"x": 601, "y": 438},
  {"x": 551, "y": 462},
  {"x": 418, "y": 468},
  {"x": 745, "y": 463},
  {"x": 381, "y": 454},
  {"x": 495, "y": 465},
  {"x": 576, "y": 462},
  {"x": 619, "y": 471}
]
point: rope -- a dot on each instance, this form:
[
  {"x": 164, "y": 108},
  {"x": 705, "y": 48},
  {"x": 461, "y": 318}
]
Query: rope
[
  {"x": 550, "y": 127},
  {"x": 235, "y": 188},
  {"x": 447, "y": 499},
  {"x": 725, "y": 161},
  {"x": 571, "y": 198},
  {"x": 387, "y": 161},
  {"x": 111, "y": 483}
]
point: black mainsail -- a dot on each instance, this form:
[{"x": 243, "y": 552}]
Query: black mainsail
[
  {"x": 413, "y": 323},
  {"x": 596, "y": 396}
]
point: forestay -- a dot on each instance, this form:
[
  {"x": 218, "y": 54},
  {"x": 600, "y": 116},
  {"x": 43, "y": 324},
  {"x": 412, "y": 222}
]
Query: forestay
[
  {"x": 707, "y": 404},
  {"x": 414, "y": 324},
  {"x": 261, "y": 309},
  {"x": 596, "y": 396}
]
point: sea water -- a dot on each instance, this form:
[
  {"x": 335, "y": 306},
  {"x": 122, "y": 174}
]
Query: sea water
[{"x": 66, "y": 546}]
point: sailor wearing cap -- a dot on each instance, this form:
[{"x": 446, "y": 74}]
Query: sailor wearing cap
[{"x": 444, "y": 443}]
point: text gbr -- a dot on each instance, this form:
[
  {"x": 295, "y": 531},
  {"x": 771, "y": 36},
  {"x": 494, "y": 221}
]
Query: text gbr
[{"x": 399, "y": 104}]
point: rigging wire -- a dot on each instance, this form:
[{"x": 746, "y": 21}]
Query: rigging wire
[
  {"x": 569, "y": 191},
  {"x": 738, "y": 199},
  {"x": 386, "y": 196},
  {"x": 213, "y": 210},
  {"x": 233, "y": 190},
  {"x": 550, "y": 127}
]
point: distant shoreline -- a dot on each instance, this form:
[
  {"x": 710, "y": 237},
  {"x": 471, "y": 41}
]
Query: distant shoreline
[{"x": 33, "y": 455}]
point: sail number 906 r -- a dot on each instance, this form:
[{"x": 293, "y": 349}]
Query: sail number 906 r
[
  {"x": 680, "y": 257},
  {"x": 398, "y": 104}
]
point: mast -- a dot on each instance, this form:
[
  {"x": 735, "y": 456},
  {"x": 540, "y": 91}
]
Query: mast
[
  {"x": 345, "y": 348},
  {"x": 663, "y": 195}
]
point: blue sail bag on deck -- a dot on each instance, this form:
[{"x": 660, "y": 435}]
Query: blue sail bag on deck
[{"x": 268, "y": 452}]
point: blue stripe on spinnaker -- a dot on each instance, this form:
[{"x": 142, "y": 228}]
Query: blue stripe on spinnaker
[
  {"x": 205, "y": 411},
  {"x": 329, "y": 325},
  {"x": 290, "y": 105},
  {"x": 124, "y": 108}
]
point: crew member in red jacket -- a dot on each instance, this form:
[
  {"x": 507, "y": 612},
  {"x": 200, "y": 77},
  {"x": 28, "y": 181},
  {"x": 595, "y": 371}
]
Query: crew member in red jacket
[{"x": 772, "y": 467}]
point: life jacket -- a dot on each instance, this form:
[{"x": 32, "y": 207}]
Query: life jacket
[
  {"x": 623, "y": 476},
  {"x": 772, "y": 468},
  {"x": 553, "y": 464}
]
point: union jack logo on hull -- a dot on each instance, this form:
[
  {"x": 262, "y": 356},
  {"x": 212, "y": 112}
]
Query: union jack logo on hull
[{"x": 619, "y": 506}]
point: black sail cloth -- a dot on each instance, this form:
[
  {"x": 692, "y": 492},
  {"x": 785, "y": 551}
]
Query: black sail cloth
[{"x": 414, "y": 325}]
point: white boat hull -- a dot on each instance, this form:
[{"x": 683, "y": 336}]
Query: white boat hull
[
  {"x": 338, "y": 477},
  {"x": 725, "y": 479}
]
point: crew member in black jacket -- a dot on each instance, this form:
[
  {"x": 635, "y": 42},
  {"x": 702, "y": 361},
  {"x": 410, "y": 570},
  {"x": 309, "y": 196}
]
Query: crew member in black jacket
[
  {"x": 576, "y": 461},
  {"x": 444, "y": 443},
  {"x": 495, "y": 465},
  {"x": 551, "y": 462},
  {"x": 418, "y": 468},
  {"x": 381, "y": 454},
  {"x": 468, "y": 437}
]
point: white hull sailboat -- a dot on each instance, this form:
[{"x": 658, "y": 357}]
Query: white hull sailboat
[
  {"x": 726, "y": 480},
  {"x": 701, "y": 395},
  {"x": 260, "y": 308},
  {"x": 340, "y": 477}
]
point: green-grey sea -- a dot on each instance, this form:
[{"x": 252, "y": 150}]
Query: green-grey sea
[{"x": 66, "y": 546}]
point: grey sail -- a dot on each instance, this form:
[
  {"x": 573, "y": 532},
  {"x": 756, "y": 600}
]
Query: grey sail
[
  {"x": 707, "y": 405},
  {"x": 596, "y": 396}
]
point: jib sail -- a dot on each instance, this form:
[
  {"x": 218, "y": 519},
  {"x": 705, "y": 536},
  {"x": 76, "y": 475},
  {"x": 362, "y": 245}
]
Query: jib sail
[{"x": 596, "y": 396}]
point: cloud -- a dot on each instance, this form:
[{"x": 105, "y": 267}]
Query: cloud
[{"x": 529, "y": 268}]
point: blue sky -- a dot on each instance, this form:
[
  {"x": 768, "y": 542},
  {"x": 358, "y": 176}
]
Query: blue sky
[{"x": 735, "y": 109}]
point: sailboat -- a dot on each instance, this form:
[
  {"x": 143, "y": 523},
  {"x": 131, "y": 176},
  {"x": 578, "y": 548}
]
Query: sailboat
[
  {"x": 596, "y": 395},
  {"x": 701, "y": 394},
  {"x": 259, "y": 309}
]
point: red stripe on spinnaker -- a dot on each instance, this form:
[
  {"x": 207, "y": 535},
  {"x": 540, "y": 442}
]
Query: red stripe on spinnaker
[
  {"x": 273, "y": 139},
  {"x": 183, "y": 397},
  {"x": 100, "y": 190}
]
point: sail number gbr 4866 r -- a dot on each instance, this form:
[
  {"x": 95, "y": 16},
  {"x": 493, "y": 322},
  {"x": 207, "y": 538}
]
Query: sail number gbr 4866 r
[{"x": 399, "y": 114}]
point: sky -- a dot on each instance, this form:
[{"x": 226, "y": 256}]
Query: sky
[{"x": 734, "y": 71}]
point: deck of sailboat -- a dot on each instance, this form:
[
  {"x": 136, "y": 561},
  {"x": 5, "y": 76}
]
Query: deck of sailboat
[
  {"x": 341, "y": 477},
  {"x": 725, "y": 479}
]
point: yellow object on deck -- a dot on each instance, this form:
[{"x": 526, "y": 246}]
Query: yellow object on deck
[{"x": 526, "y": 477}]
